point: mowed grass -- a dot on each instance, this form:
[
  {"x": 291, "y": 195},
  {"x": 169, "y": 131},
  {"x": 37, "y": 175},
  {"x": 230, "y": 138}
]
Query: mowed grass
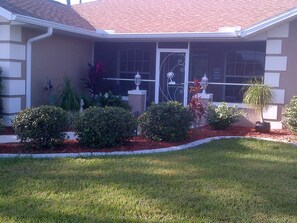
[{"x": 235, "y": 180}]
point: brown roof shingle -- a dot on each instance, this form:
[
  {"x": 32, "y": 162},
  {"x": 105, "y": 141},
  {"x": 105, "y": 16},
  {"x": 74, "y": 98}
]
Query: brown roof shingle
[
  {"x": 155, "y": 16},
  {"x": 48, "y": 10}
]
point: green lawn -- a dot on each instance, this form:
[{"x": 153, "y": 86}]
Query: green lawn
[{"x": 235, "y": 180}]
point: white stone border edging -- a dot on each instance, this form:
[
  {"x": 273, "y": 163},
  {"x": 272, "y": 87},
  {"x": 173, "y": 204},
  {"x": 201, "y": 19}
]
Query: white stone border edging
[{"x": 138, "y": 152}]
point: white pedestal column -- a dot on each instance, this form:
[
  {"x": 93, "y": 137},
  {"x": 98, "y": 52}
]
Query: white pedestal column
[
  {"x": 137, "y": 100},
  {"x": 205, "y": 99}
]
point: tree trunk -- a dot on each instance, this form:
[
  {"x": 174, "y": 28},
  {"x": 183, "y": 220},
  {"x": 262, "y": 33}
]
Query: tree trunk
[{"x": 262, "y": 118}]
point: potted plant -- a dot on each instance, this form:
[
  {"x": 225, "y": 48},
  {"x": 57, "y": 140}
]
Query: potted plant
[{"x": 258, "y": 96}]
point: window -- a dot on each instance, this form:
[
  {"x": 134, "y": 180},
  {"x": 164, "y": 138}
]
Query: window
[
  {"x": 242, "y": 66},
  {"x": 131, "y": 62},
  {"x": 199, "y": 66}
]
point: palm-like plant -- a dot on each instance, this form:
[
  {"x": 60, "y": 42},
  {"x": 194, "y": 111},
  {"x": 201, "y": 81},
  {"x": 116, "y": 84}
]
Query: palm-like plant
[
  {"x": 258, "y": 96},
  {"x": 68, "y": 97}
]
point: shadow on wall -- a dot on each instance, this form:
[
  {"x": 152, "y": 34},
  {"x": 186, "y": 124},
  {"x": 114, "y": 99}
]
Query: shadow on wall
[{"x": 250, "y": 118}]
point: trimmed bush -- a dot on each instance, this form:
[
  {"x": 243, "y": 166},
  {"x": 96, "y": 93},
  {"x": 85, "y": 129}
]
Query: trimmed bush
[
  {"x": 70, "y": 117},
  {"x": 222, "y": 116},
  {"x": 168, "y": 121},
  {"x": 105, "y": 127},
  {"x": 40, "y": 126},
  {"x": 291, "y": 115}
]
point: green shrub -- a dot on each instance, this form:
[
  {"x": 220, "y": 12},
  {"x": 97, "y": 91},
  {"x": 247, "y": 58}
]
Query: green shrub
[
  {"x": 40, "y": 126},
  {"x": 1, "y": 108},
  {"x": 104, "y": 127},
  {"x": 291, "y": 115},
  {"x": 70, "y": 117},
  {"x": 1, "y": 125},
  {"x": 108, "y": 99},
  {"x": 168, "y": 121},
  {"x": 222, "y": 116},
  {"x": 68, "y": 98}
]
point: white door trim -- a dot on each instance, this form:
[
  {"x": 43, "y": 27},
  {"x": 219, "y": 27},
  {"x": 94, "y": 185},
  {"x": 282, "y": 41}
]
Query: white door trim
[{"x": 186, "y": 78}]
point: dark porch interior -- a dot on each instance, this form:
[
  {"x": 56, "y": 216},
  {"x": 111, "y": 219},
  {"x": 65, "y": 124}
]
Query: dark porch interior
[{"x": 223, "y": 62}]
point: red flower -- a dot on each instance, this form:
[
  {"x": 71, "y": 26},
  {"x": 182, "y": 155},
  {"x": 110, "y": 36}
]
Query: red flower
[{"x": 98, "y": 67}]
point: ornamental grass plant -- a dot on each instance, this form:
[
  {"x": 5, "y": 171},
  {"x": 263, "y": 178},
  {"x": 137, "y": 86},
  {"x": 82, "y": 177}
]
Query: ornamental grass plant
[
  {"x": 258, "y": 96},
  {"x": 68, "y": 98}
]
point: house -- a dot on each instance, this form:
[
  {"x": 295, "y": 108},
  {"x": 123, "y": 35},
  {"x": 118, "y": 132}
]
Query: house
[{"x": 170, "y": 42}]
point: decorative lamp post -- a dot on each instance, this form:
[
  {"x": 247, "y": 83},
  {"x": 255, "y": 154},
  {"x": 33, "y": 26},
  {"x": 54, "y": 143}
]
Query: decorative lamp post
[
  {"x": 137, "y": 80},
  {"x": 204, "y": 84}
]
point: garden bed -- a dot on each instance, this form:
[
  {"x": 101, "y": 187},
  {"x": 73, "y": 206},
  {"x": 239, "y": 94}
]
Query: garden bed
[{"x": 141, "y": 143}]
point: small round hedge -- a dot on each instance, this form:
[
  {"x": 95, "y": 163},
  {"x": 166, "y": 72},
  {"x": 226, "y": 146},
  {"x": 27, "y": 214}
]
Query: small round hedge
[
  {"x": 40, "y": 126},
  {"x": 168, "y": 121},
  {"x": 291, "y": 115},
  {"x": 105, "y": 127}
]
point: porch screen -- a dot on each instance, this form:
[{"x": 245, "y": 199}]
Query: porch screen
[
  {"x": 133, "y": 61},
  {"x": 241, "y": 67}
]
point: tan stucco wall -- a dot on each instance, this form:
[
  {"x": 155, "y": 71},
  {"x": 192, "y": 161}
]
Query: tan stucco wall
[
  {"x": 55, "y": 57},
  {"x": 281, "y": 67},
  {"x": 288, "y": 79}
]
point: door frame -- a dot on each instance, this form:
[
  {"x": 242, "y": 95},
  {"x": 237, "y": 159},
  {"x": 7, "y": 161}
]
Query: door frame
[{"x": 186, "y": 78}]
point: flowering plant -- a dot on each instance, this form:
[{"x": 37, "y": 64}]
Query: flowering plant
[
  {"x": 195, "y": 105},
  {"x": 95, "y": 75},
  {"x": 222, "y": 116}
]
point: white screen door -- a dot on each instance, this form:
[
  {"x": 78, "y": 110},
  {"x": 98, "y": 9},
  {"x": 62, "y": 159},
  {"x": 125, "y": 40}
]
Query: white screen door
[{"x": 172, "y": 75}]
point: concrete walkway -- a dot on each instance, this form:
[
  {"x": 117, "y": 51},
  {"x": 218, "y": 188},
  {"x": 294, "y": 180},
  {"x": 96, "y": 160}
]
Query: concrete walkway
[{"x": 8, "y": 139}]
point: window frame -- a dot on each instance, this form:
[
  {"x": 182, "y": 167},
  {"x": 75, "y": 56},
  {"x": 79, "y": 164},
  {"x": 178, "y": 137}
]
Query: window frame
[{"x": 258, "y": 58}]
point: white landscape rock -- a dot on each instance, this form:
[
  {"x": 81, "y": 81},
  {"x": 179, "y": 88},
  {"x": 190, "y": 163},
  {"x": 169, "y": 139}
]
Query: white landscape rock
[{"x": 5, "y": 139}]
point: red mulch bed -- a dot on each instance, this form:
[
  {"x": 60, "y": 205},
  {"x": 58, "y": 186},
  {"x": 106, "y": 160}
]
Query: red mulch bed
[{"x": 141, "y": 143}]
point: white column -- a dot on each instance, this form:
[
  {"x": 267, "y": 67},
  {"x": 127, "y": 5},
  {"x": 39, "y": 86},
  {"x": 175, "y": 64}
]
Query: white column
[{"x": 12, "y": 55}]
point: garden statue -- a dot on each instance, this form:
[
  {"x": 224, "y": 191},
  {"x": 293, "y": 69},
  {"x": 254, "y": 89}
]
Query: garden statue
[{"x": 81, "y": 108}]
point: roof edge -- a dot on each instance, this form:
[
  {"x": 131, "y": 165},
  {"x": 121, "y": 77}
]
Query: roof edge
[
  {"x": 59, "y": 26},
  {"x": 268, "y": 23},
  {"x": 5, "y": 13},
  {"x": 44, "y": 23},
  {"x": 189, "y": 35}
]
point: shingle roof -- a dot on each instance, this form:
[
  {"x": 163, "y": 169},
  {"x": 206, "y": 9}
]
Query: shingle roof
[
  {"x": 155, "y": 16},
  {"x": 47, "y": 10}
]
